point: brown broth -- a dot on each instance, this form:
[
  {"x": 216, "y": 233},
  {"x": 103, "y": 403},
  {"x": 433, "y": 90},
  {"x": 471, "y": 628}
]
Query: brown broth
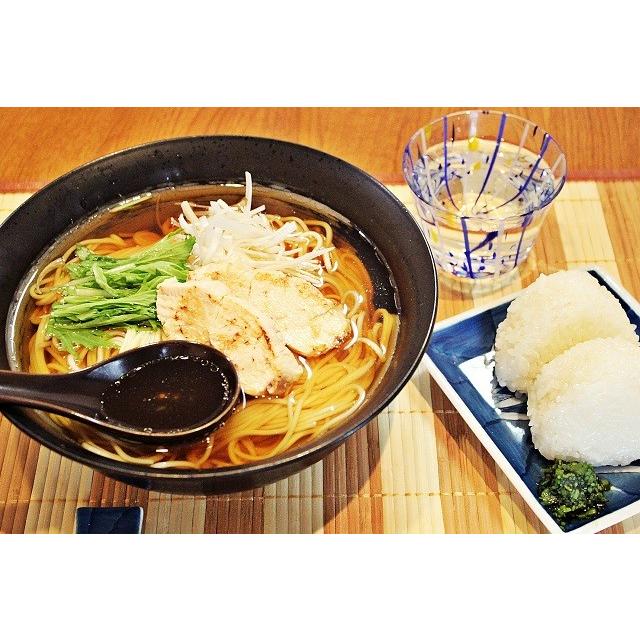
[
  {"x": 167, "y": 395},
  {"x": 150, "y": 212}
]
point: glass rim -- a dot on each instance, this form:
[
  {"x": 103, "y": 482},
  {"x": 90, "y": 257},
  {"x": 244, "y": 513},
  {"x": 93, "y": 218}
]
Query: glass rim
[{"x": 481, "y": 112}]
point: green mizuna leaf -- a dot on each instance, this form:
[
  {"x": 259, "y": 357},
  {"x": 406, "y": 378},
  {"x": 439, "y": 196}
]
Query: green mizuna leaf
[{"x": 106, "y": 293}]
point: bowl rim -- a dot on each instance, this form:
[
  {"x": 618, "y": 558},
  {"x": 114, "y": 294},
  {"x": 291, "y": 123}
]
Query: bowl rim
[
  {"x": 328, "y": 442},
  {"x": 480, "y": 112}
]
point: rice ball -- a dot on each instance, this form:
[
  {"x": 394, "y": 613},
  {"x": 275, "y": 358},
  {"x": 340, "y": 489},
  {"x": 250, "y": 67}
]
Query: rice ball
[
  {"x": 585, "y": 404},
  {"x": 550, "y": 316}
]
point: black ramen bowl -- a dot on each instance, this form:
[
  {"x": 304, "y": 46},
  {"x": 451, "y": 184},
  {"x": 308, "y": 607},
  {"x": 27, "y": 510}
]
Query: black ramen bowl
[{"x": 29, "y": 232}]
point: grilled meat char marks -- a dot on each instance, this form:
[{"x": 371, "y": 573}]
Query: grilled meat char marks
[
  {"x": 310, "y": 323},
  {"x": 257, "y": 319},
  {"x": 206, "y": 312}
]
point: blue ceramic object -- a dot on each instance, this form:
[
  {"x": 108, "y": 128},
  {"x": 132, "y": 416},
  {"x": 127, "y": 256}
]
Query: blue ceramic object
[
  {"x": 109, "y": 520},
  {"x": 462, "y": 352}
]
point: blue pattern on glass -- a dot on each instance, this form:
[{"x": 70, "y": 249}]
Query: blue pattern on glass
[
  {"x": 503, "y": 121},
  {"x": 546, "y": 191},
  {"x": 480, "y": 179},
  {"x": 467, "y": 251},
  {"x": 463, "y": 352},
  {"x": 445, "y": 169}
]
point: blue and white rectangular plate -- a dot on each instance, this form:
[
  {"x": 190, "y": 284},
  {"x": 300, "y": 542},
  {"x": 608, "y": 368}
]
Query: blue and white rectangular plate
[{"x": 460, "y": 360}]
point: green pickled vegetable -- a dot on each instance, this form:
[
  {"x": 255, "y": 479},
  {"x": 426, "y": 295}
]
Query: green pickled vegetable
[
  {"x": 572, "y": 490},
  {"x": 106, "y": 293}
]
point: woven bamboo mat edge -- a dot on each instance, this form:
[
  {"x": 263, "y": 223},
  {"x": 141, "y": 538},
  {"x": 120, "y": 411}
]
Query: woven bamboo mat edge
[{"x": 416, "y": 468}]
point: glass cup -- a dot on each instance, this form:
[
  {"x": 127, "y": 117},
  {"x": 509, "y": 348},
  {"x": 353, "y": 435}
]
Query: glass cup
[{"x": 483, "y": 182}]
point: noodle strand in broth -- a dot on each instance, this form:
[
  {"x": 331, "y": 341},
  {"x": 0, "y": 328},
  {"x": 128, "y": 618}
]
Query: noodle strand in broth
[{"x": 333, "y": 387}]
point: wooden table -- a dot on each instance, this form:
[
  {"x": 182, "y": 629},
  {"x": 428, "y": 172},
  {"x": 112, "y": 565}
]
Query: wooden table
[
  {"x": 417, "y": 467},
  {"x": 41, "y": 144}
]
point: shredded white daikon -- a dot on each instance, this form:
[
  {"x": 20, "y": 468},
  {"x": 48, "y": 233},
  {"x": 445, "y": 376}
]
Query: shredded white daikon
[{"x": 228, "y": 234}]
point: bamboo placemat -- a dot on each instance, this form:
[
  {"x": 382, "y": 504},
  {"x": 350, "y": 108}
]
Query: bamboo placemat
[{"x": 416, "y": 468}]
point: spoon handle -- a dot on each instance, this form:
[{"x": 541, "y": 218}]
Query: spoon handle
[{"x": 51, "y": 392}]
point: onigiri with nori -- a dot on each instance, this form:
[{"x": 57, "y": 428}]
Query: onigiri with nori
[
  {"x": 585, "y": 404},
  {"x": 550, "y": 316}
]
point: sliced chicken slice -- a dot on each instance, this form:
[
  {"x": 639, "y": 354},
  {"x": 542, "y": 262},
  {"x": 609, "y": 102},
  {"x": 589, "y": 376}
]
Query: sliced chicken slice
[
  {"x": 206, "y": 312},
  {"x": 310, "y": 323}
]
